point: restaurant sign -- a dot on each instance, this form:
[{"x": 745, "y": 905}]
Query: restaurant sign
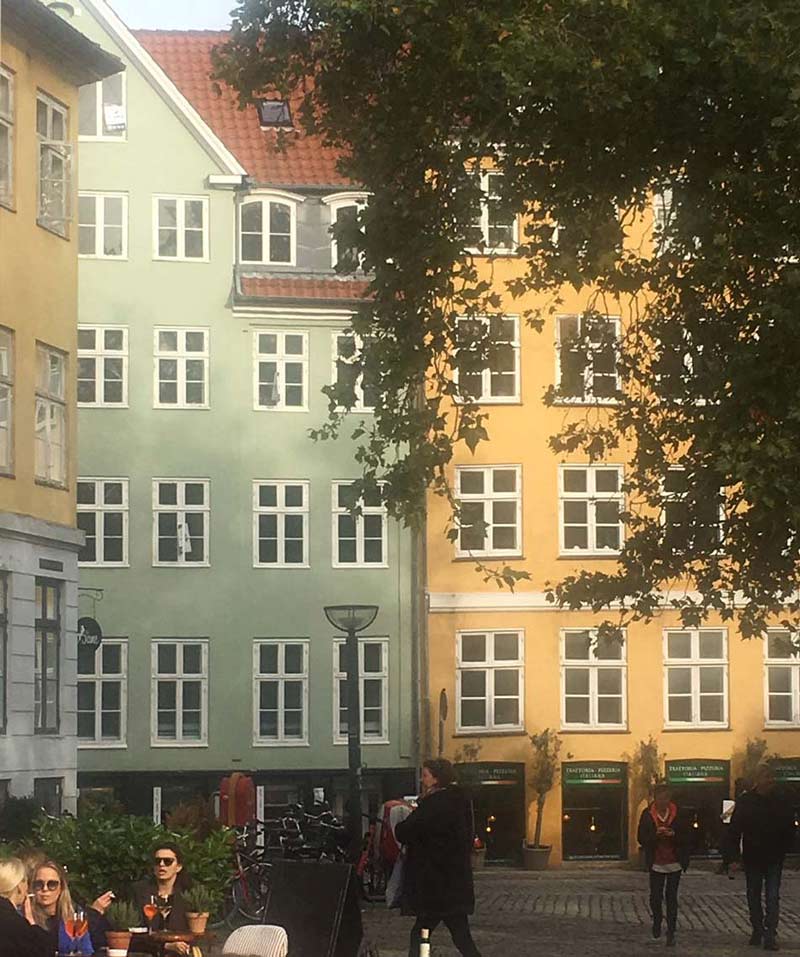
[
  {"x": 698, "y": 772},
  {"x": 786, "y": 770},
  {"x": 483, "y": 773},
  {"x": 608, "y": 773},
  {"x": 90, "y": 634}
]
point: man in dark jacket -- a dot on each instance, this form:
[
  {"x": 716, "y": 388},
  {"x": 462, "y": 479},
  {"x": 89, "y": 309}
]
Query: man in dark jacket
[
  {"x": 437, "y": 883},
  {"x": 764, "y": 823},
  {"x": 664, "y": 837}
]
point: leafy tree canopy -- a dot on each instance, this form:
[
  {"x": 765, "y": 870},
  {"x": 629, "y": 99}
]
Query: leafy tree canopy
[{"x": 588, "y": 107}]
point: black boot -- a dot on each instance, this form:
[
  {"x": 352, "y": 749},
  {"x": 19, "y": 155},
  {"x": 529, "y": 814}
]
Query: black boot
[
  {"x": 756, "y": 938},
  {"x": 771, "y": 944},
  {"x": 670, "y": 938}
]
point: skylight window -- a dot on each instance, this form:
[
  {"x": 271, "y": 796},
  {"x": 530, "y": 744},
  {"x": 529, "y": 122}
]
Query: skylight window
[{"x": 274, "y": 114}]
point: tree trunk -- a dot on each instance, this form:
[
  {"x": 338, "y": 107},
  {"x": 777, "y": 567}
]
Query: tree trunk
[{"x": 537, "y": 833}]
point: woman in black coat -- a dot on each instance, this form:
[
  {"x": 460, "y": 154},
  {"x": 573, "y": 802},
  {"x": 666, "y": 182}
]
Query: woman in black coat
[
  {"x": 437, "y": 882},
  {"x": 19, "y": 936}
]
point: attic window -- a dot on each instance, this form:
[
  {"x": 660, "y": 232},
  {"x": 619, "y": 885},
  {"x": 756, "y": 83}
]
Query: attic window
[{"x": 274, "y": 114}]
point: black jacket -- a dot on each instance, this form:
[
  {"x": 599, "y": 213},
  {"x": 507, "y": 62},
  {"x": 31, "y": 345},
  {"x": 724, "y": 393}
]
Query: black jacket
[
  {"x": 765, "y": 825},
  {"x": 648, "y": 838},
  {"x": 18, "y": 938},
  {"x": 437, "y": 881}
]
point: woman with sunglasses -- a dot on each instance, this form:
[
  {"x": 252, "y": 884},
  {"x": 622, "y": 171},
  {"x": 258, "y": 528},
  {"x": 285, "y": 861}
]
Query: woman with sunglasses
[
  {"x": 19, "y": 937},
  {"x": 164, "y": 888},
  {"x": 54, "y": 911}
]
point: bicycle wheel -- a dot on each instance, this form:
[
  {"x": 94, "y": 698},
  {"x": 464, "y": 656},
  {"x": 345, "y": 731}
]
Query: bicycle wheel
[
  {"x": 251, "y": 893},
  {"x": 373, "y": 882},
  {"x": 228, "y": 910}
]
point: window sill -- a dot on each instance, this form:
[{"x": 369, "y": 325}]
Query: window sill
[
  {"x": 176, "y": 259},
  {"x": 7, "y": 475},
  {"x": 100, "y": 746},
  {"x": 104, "y": 565},
  {"x": 576, "y": 400},
  {"x": 279, "y": 567},
  {"x": 491, "y": 556},
  {"x": 695, "y": 728},
  {"x": 102, "y": 139},
  {"x": 47, "y": 732},
  {"x": 281, "y": 744},
  {"x": 53, "y": 231},
  {"x": 783, "y": 726},
  {"x": 500, "y": 252},
  {"x": 181, "y": 565},
  {"x": 491, "y": 400},
  {"x": 46, "y": 483},
  {"x": 178, "y": 744},
  {"x": 594, "y": 556},
  {"x": 103, "y": 405},
  {"x": 352, "y": 565},
  {"x": 182, "y": 408},
  {"x": 490, "y": 733},
  {"x": 118, "y": 259},
  {"x": 364, "y": 744},
  {"x": 589, "y": 729},
  {"x": 271, "y": 408},
  {"x": 8, "y": 205}
]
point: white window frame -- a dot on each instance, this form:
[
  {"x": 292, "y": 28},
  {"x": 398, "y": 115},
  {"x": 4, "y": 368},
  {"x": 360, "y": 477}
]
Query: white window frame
[
  {"x": 792, "y": 663},
  {"x": 98, "y": 678},
  {"x": 669, "y": 496},
  {"x": 280, "y": 358},
  {"x": 180, "y": 201},
  {"x": 99, "y": 224},
  {"x": 337, "y": 510},
  {"x": 593, "y": 664},
  {"x": 99, "y": 136},
  {"x": 178, "y": 677},
  {"x": 486, "y": 397},
  {"x": 60, "y": 148},
  {"x": 99, "y": 510},
  {"x": 382, "y": 676},
  {"x": 335, "y": 203},
  {"x": 280, "y": 677},
  {"x": 358, "y": 345},
  {"x": 484, "y": 176},
  {"x": 7, "y": 194},
  {"x": 591, "y": 497},
  {"x": 99, "y": 354},
  {"x": 588, "y": 397},
  {"x": 54, "y": 471},
  {"x": 488, "y": 497},
  {"x": 265, "y": 200},
  {"x": 490, "y": 665},
  {"x": 7, "y": 375},
  {"x": 181, "y": 509},
  {"x": 181, "y": 356},
  {"x": 281, "y": 510},
  {"x": 695, "y": 663}
]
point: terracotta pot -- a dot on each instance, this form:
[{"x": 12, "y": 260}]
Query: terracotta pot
[
  {"x": 535, "y": 858},
  {"x": 118, "y": 942},
  {"x": 197, "y": 923}
]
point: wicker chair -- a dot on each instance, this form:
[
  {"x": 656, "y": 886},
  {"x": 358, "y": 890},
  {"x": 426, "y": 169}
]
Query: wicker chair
[{"x": 257, "y": 940}]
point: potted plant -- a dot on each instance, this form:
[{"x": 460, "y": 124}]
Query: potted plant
[
  {"x": 646, "y": 773},
  {"x": 200, "y": 902},
  {"x": 544, "y": 770},
  {"x": 122, "y": 915}
]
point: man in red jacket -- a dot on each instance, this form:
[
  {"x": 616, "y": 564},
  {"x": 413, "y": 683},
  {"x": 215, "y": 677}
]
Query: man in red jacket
[{"x": 664, "y": 837}]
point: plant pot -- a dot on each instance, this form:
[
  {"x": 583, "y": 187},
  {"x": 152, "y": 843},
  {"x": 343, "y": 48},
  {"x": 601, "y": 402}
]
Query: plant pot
[
  {"x": 197, "y": 923},
  {"x": 478, "y": 858},
  {"x": 535, "y": 858},
  {"x": 118, "y": 942}
]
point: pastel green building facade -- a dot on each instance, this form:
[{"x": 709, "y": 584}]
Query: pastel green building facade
[{"x": 215, "y": 527}]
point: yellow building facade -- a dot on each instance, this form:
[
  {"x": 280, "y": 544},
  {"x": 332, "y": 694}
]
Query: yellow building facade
[
  {"x": 503, "y": 665},
  {"x": 43, "y": 62}
]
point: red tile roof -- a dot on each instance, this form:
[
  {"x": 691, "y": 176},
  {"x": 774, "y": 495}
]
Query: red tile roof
[
  {"x": 185, "y": 56},
  {"x": 269, "y": 287}
]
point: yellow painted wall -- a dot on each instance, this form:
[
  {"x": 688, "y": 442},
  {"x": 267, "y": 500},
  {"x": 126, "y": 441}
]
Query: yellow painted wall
[{"x": 38, "y": 286}]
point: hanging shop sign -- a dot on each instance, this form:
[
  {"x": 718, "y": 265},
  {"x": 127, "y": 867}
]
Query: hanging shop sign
[
  {"x": 786, "y": 770},
  {"x": 701, "y": 771},
  {"x": 474, "y": 775},
  {"x": 607, "y": 773},
  {"x": 90, "y": 633}
]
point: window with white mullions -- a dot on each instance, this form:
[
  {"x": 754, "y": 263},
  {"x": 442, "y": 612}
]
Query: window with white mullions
[
  {"x": 267, "y": 231},
  {"x": 691, "y": 522},
  {"x": 103, "y": 518},
  {"x": 591, "y": 503},
  {"x": 280, "y": 524},
  {"x": 51, "y": 416},
  {"x": 55, "y": 156},
  {"x": 180, "y": 225},
  {"x": 696, "y": 677},
  {"x": 345, "y": 258},
  {"x": 102, "y": 109},
  {"x": 587, "y": 348},
  {"x": 493, "y": 230},
  {"x": 280, "y": 370},
  {"x": 373, "y": 670},
  {"x": 180, "y": 521},
  {"x": 490, "y": 505},
  {"x": 3, "y": 653},
  {"x": 347, "y": 349},
  {"x": 593, "y": 681},
  {"x": 179, "y": 692},
  {"x": 490, "y": 681},
  {"x": 6, "y": 137},
  {"x": 781, "y": 679},
  {"x": 498, "y": 381},
  {"x": 102, "y": 366},
  {"x": 103, "y": 225},
  {"x": 280, "y": 703},
  {"x": 360, "y": 538},
  {"x": 181, "y": 368},
  {"x": 7, "y": 369},
  {"x": 47, "y": 657},
  {"x": 102, "y": 704}
]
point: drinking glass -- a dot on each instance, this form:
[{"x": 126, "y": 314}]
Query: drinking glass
[
  {"x": 150, "y": 910},
  {"x": 164, "y": 909}
]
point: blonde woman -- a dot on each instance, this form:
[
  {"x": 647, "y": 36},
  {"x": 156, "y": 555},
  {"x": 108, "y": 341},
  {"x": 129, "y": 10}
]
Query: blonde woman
[
  {"x": 19, "y": 936},
  {"x": 54, "y": 911}
]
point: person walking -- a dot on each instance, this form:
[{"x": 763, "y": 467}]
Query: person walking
[
  {"x": 764, "y": 824},
  {"x": 437, "y": 880},
  {"x": 664, "y": 837}
]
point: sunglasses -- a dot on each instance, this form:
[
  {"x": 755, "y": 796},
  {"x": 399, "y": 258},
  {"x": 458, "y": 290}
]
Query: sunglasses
[
  {"x": 166, "y": 861},
  {"x": 46, "y": 885}
]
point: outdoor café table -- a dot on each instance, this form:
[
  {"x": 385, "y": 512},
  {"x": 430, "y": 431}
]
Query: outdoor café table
[{"x": 154, "y": 943}]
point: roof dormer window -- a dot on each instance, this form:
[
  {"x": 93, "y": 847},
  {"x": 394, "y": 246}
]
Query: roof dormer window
[
  {"x": 267, "y": 230},
  {"x": 274, "y": 115}
]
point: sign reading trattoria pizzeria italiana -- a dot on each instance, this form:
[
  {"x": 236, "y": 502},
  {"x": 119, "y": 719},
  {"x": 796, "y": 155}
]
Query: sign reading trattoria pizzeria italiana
[
  {"x": 485, "y": 772},
  {"x": 786, "y": 770},
  {"x": 700, "y": 771},
  {"x": 608, "y": 773}
]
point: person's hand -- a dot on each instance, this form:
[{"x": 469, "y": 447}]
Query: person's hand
[
  {"x": 103, "y": 902},
  {"x": 27, "y": 910},
  {"x": 177, "y": 947}
]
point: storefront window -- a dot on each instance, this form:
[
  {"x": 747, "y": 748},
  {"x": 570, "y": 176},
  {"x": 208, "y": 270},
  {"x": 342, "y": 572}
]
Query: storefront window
[
  {"x": 594, "y": 812},
  {"x": 787, "y": 775},
  {"x": 497, "y": 792},
  {"x": 698, "y": 788}
]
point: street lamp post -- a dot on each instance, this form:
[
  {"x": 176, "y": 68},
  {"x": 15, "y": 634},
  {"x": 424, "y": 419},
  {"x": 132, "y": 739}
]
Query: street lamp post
[{"x": 351, "y": 619}]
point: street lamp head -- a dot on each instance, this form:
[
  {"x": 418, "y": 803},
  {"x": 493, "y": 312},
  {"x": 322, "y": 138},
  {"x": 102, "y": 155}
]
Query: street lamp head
[{"x": 349, "y": 618}]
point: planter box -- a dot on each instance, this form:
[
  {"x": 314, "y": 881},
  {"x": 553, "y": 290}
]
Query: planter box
[
  {"x": 478, "y": 858},
  {"x": 535, "y": 858}
]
